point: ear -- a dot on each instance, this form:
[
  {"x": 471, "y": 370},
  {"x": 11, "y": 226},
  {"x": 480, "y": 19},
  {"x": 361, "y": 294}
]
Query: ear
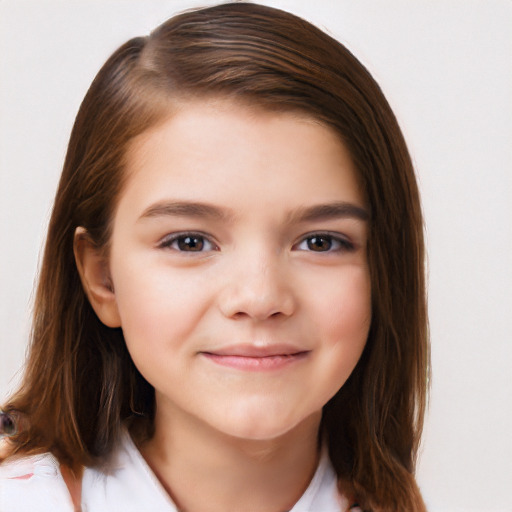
[{"x": 95, "y": 276}]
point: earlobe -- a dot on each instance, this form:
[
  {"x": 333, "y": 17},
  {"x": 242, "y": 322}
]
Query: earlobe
[{"x": 94, "y": 274}]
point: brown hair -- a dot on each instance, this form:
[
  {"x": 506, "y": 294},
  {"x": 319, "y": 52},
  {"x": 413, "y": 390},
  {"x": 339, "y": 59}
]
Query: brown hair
[{"x": 80, "y": 385}]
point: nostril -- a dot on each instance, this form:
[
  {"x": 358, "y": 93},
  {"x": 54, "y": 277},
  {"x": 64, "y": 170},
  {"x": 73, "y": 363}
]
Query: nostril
[{"x": 242, "y": 314}]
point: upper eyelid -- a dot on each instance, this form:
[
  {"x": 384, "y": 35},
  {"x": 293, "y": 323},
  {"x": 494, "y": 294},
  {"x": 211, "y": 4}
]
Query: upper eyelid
[{"x": 330, "y": 234}]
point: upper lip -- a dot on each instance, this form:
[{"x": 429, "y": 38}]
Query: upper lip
[{"x": 251, "y": 350}]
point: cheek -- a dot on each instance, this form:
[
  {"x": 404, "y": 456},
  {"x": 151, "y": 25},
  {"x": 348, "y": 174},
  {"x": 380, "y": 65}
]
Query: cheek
[
  {"x": 347, "y": 310},
  {"x": 157, "y": 317},
  {"x": 158, "y": 307},
  {"x": 345, "y": 322}
]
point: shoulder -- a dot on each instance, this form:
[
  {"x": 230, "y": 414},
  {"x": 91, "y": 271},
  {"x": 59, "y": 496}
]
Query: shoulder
[
  {"x": 33, "y": 484},
  {"x": 125, "y": 483}
]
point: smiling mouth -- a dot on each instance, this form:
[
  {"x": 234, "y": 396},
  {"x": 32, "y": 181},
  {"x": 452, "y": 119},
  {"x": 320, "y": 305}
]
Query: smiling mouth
[{"x": 253, "y": 358}]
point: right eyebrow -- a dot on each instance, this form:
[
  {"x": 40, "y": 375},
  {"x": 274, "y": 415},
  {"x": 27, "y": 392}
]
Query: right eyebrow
[{"x": 195, "y": 209}]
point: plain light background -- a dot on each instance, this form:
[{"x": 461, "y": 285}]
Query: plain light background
[{"x": 446, "y": 68}]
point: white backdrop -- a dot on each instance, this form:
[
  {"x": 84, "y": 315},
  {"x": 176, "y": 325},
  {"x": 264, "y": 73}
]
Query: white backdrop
[{"x": 446, "y": 68}]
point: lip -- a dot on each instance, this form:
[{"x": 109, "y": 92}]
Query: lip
[
  {"x": 252, "y": 350},
  {"x": 256, "y": 358}
]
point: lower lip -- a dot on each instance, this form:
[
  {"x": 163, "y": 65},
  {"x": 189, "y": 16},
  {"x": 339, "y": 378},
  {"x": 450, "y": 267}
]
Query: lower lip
[{"x": 256, "y": 364}]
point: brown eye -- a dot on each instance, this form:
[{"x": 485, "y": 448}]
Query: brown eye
[
  {"x": 319, "y": 243},
  {"x": 190, "y": 243},
  {"x": 187, "y": 242},
  {"x": 325, "y": 242}
]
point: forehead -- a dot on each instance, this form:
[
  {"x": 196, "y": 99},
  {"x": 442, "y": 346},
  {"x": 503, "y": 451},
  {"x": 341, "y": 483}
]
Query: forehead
[
  {"x": 228, "y": 148},
  {"x": 228, "y": 116}
]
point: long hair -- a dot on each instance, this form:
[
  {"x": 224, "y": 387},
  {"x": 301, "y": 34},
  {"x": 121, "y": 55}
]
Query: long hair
[{"x": 80, "y": 386}]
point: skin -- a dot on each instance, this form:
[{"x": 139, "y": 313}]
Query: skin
[{"x": 256, "y": 274}]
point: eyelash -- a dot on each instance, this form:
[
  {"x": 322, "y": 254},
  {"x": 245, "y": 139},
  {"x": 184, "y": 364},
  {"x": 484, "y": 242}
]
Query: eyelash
[{"x": 341, "y": 244}]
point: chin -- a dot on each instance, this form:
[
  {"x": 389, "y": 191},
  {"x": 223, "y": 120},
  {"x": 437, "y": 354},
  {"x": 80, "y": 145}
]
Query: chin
[
  {"x": 257, "y": 432},
  {"x": 264, "y": 425}
]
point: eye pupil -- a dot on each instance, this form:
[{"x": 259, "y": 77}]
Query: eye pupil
[
  {"x": 190, "y": 243},
  {"x": 319, "y": 243}
]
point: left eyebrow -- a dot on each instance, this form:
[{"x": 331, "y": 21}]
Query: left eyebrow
[{"x": 329, "y": 211}]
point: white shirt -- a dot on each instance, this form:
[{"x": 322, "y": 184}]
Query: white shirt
[{"x": 35, "y": 484}]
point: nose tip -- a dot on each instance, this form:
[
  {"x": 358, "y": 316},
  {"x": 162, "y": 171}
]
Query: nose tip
[{"x": 260, "y": 296}]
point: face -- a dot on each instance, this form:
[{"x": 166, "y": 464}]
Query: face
[{"x": 238, "y": 261}]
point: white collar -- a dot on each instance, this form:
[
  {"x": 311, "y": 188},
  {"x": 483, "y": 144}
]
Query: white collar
[
  {"x": 130, "y": 481},
  {"x": 127, "y": 484}
]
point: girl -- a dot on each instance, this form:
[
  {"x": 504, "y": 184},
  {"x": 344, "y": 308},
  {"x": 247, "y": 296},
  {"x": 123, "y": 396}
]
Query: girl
[{"x": 231, "y": 306}]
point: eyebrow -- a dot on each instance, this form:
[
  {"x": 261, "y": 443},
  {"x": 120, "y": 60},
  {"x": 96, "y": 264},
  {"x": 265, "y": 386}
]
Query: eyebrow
[
  {"x": 200, "y": 210},
  {"x": 186, "y": 209},
  {"x": 336, "y": 210}
]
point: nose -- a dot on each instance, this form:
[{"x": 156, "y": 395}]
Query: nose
[{"x": 259, "y": 288}]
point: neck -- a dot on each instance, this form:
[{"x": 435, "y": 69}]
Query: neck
[{"x": 205, "y": 470}]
